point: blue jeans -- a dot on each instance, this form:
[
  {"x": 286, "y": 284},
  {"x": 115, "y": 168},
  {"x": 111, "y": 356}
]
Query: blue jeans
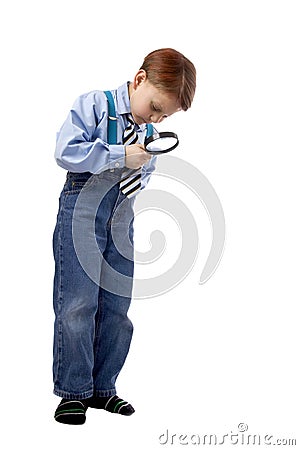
[{"x": 92, "y": 332}]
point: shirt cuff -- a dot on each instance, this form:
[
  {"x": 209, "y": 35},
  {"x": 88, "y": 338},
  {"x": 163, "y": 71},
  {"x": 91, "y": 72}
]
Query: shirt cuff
[{"x": 116, "y": 156}]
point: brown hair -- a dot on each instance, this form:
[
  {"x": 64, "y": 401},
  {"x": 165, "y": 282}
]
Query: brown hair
[{"x": 173, "y": 73}]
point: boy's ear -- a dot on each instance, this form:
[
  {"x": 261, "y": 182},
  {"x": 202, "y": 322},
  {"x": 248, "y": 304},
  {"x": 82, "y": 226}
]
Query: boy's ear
[{"x": 139, "y": 78}]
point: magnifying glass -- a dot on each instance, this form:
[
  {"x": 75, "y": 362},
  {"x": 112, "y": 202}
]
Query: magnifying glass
[{"x": 159, "y": 143}]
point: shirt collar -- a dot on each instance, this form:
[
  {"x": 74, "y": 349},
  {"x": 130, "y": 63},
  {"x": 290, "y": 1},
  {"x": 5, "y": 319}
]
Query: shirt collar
[
  {"x": 122, "y": 99},
  {"x": 123, "y": 102}
]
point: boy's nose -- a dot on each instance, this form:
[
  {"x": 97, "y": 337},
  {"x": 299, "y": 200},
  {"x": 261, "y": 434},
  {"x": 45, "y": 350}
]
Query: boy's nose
[{"x": 157, "y": 118}]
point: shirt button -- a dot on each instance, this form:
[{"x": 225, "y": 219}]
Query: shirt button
[{"x": 117, "y": 164}]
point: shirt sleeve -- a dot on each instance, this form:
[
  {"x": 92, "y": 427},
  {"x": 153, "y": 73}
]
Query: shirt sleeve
[{"x": 81, "y": 142}]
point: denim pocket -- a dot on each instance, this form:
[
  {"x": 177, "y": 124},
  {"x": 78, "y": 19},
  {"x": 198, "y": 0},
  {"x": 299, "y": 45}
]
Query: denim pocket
[{"x": 74, "y": 186}]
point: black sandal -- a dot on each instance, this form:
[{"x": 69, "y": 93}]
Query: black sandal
[
  {"x": 112, "y": 404},
  {"x": 71, "y": 412}
]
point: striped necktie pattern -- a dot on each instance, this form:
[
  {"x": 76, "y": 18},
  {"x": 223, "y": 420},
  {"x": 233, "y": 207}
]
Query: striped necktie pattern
[{"x": 131, "y": 178}]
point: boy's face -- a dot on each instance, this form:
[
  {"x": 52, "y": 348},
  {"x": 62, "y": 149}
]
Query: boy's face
[{"x": 149, "y": 104}]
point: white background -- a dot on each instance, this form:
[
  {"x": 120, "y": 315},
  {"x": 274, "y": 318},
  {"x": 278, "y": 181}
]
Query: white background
[{"x": 203, "y": 358}]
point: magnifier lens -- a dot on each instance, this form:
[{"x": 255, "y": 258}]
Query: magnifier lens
[{"x": 161, "y": 142}]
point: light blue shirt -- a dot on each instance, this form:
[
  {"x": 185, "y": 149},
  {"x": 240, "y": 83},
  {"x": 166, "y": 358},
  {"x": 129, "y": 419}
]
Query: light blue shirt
[{"x": 81, "y": 144}]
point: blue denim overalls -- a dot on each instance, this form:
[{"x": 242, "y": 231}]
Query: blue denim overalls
[{"x": 92, "y": 332}]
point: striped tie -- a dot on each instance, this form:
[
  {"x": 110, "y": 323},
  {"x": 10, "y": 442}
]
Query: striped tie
[{"x": 131, "y": 178}]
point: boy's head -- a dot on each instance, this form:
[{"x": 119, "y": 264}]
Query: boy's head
[{"x": 165, "y": 84}]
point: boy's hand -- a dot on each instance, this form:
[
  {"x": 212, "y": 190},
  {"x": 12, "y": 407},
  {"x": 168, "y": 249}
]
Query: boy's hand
[{"x": 135, "y": 156}]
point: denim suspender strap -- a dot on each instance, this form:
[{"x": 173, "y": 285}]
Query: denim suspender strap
[
  {"x": 112, "y": 120},
  {"x": 150, "y": 130}
]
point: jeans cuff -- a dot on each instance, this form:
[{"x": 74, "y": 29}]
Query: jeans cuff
[
  {"x": 105, "y": 393},
  {"x": 72, "y": 395}
]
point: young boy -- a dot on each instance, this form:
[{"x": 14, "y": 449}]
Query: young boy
[{"x": 92, "y": 332}]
